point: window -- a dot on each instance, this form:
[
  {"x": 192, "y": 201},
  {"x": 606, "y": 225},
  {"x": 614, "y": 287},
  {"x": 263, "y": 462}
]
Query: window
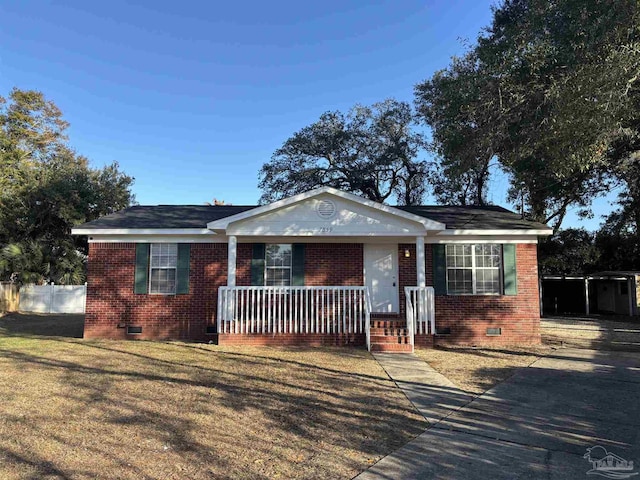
[
  {"x": 473, "y": 269},
  {"x": 277, "y": 272},
  {"x": 163, "y": 268}
]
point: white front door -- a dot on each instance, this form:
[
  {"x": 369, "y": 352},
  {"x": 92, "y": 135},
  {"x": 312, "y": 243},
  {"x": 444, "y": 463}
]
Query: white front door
[{"x": 381, "y": 276}]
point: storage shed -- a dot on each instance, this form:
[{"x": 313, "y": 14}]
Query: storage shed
[{"x": 609, "y": 292}]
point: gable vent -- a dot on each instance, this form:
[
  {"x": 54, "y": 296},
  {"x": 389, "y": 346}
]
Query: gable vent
[{"x": 325, "y": 209}]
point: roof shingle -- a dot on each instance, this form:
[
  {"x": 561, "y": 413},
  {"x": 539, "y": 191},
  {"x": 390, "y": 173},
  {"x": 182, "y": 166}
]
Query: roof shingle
[{"x": 197, "y": 216}]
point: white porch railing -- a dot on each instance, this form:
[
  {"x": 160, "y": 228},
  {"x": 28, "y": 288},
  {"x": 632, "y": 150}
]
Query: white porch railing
[
  {"x": 367, "y": 325},
  {"x": 303, "y": 310},
  {"x": 420, "y": 306}
]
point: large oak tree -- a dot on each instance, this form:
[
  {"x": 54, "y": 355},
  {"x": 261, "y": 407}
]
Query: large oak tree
[
  {"x": 546, "y": 89},
  {"x": 371, "y": 151}
]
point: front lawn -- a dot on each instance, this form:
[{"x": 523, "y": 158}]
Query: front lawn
[
  {"x": 170, "y": 410},
  {"x": 477, "y": 369}
]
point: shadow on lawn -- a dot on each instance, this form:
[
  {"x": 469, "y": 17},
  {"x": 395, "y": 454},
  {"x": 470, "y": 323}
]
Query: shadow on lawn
[
  {"x": 301, "y": 419},
  {"x": 598, "y": 333},
  {"x": 221, "y": 413}
]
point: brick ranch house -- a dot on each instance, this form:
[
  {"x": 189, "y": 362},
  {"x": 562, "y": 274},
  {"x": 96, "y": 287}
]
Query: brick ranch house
[{"x": 322, "y": 267}]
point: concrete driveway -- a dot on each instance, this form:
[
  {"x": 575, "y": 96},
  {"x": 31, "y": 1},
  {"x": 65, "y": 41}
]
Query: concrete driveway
[{"x": 537, "y": 424}]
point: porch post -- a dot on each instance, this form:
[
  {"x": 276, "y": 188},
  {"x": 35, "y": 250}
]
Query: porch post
[
  {"x": 231, "y": 261},
  {"x": 420, "y": 265}
]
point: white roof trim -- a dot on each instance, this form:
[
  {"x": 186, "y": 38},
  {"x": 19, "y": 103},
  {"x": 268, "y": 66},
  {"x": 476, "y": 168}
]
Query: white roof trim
[
  {"x": 223, "y": 223},
  {"x": 542, "y": 231},
  {"x": 141, "y": 231}
]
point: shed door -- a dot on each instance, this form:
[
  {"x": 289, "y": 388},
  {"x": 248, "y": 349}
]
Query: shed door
[{"x": 381, "y": 276}]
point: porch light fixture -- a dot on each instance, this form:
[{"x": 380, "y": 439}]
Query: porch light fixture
[{"x": 407, "y": 253}]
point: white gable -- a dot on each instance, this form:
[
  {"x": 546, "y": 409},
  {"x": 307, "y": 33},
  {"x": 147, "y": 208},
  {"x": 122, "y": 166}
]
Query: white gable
[{"x": 325, "y": 212}]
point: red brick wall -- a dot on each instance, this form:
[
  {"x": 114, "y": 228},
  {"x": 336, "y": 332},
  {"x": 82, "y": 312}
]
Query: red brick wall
[
  {"x": 111, "y": 301},
  {"x": 407, "y": 271},
  {"x": 325, "y": 264},
  {"x": 339, "y": 264},
  {"x": 244, "y": 254},
  {"x": 469, "y": 316}
]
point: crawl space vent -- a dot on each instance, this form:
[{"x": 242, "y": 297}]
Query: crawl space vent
[
  {"x": 326, "y": 209},
  {"x": 134, "y": 330},
  {"x": 494, "y": 332}
]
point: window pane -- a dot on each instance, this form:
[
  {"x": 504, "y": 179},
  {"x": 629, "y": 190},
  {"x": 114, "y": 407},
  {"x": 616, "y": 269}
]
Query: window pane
[
  {"x": 164, "y": 255},
  {"x": 278, "y": 265},
  {"x": 163, "y": 281},
  {"x": 468, "y": 262},
  {"x": 450, "y": 255},
  {"x": 278, "y": 277},
  {"x": 464, "y": 261},
  {"x": 459, "y": 281},
  {"x": 278, "y": 255},
  {"x": 164, "y": 260},
  {"x": 488, "y": 281}
]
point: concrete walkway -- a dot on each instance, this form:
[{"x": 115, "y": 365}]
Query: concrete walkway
[
  {"x": 537, "y": 424},
  {"x": 431, "y": 393}
]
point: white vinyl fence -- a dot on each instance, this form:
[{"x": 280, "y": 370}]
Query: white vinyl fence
[{"x": 53, "y": 298}]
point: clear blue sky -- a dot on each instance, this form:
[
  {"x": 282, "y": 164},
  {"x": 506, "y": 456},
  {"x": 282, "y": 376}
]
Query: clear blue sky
[{"x": 192, "y": 98}]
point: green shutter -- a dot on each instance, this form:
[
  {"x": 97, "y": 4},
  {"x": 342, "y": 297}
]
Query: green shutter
[
  {"x": 257, "y": 265},
  {"x": 439, "y": 269},
  {"x": 509, "y": 266},
  {"x": 141, "y": 284},
  {"x": 184, "y": 258},
  {"x": 297, "y": 264}
]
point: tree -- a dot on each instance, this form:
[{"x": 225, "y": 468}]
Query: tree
[
  {"x": 47, "y": 188},
  {"x": 459, "y": 106},
  {"x": 548, "y": 87},
  {"x": 569, "y": 251},
  {"x": 565, "y": 69},
  {"x": 370, "y": 151}
]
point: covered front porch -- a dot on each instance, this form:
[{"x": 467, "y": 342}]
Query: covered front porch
[
  {"x": 330, "y": 315},
  {"x": 329, "y": 268}
]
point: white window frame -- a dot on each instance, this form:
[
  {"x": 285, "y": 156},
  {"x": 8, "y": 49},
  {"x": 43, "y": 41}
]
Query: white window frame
[
  {"x": 151, "y": 268},
  {"x": 267, "y": 267},
  {"x": 474, "y": 269}
]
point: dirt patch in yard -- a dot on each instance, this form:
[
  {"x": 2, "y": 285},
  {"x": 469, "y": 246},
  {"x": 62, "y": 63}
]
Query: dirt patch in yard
[
  {"x": 475, "y": 370},
  {"x": 147, "y": 410}
]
